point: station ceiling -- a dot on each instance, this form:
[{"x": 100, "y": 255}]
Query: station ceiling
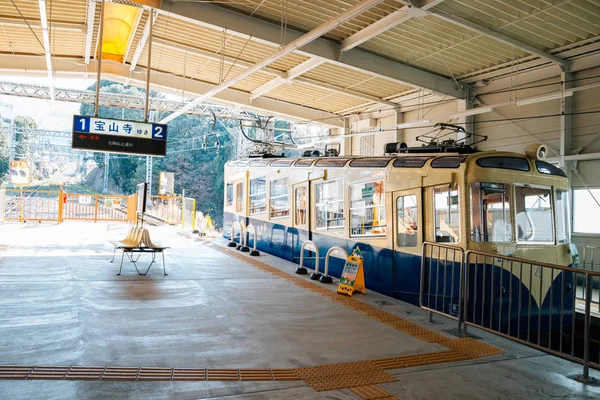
[{"x": 376, "y": 59}]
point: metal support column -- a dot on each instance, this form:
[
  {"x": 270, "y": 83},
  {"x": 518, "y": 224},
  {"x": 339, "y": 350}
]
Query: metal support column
[
  {"x": 106, "y": 172},
  {"x": 466, "y": 122},
  {"x": 149, "y": 175},
  {"x": 399, "y": 118},
  {"x": 565, "y": 121}
]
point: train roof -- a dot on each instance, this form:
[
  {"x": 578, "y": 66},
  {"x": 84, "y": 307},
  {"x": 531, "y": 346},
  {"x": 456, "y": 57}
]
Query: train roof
[{"x": 485, "y": 159}]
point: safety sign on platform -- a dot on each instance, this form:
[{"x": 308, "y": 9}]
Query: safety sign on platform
[
  {"x": 353, "y": 276},
  {"x": 119, "y": 136}
]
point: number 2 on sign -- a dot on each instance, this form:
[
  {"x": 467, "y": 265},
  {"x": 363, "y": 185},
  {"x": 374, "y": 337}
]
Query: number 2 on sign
[{"x": 157, "y": 132}]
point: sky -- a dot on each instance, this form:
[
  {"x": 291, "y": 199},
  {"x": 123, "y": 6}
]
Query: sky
[{"x": 41, "y": 110}]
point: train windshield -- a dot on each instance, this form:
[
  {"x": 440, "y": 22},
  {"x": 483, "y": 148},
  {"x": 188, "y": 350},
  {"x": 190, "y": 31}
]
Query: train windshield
[
  {"x": 490, "y": 212},
  {"x": 534, "y": 214}
]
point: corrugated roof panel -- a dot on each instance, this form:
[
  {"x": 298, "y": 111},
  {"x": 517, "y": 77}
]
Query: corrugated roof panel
[
  {"x": 20, "y": 39},
  {"x": 347, "y": 78},
  {"x": 172, "y": 29},
  {"x": 308, "y": 14},
  {"x": 199, "y": 68},
  {"x": 313, "y": 97},
  {"x": 441, "y": 47},
  {"x": 138, "y": 35},
  {"x": 542, "y": 24}
]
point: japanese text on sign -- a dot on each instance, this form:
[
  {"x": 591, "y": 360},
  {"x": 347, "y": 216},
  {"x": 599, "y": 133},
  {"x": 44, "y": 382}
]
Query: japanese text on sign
[{"x": 119, "y": 128}]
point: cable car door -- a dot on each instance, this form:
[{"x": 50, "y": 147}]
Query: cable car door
[
  {"x": 407, "y": 241},
  {"x": 299, "y": 230}
]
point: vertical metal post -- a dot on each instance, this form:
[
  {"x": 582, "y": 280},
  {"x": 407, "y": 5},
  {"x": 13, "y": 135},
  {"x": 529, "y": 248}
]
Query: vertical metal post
[
  {"x": 148, "y": 68},
  {"x": 99, "y": 66},
  {"x": 149, "y": 175},
  {"x": 183, "y": 208},
  {"x": 565, "y": 121},
  {"x": 586, "y": 340},
  {"x": 106, "y": 172}
]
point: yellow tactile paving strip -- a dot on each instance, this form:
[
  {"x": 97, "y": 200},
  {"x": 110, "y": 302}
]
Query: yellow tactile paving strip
[{"x": 372, "y": 392}]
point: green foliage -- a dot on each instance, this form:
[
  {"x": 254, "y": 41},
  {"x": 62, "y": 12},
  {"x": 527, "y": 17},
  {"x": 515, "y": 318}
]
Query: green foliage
[
  {"x": 4, "y": 159},
  {"x": 23, "y": 142},
  {"x": 200, "y": 172}
]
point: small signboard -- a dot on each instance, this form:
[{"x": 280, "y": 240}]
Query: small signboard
[
  {"x": 20, "y": 173},
  {"x": 367, "y": 192},
  {"x": 85, "y": 199},
  {"x": 353, "y": 277},
  {"x": 166, "y": 183},
  {"x": 118, "y": 136}
]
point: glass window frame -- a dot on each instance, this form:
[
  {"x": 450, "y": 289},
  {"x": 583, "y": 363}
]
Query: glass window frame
[
  {"x": 342, "y": 200},
  {"x": 552, "y": 217},
  {"x": 264, "y": 194},
  {"x": 573, "y": 213},
  {"x": 382, "y": 204},
  {"x": 397, "y": 224},
  {"x": 227, "y": 202},
  {"x": 567, "y": 217},
  {"x": 239, "y": 209},
  {"x": 511, "y": 202},
  {"x": 450, "y": 187},
  {"x": 297, "y": 189},
  {"x": 271, "y": 197}
]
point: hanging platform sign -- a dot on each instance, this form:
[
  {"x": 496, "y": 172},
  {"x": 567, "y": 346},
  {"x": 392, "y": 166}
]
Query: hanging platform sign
[
  {"x": 118, "y": 136},
  {"x": 353, "y": 277}
]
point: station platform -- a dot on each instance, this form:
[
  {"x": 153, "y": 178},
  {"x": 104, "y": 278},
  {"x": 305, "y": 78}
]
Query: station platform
[{"x": 223, "y": 324}]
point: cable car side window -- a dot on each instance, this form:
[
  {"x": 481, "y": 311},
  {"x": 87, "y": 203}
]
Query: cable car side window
[
  {"x": 547, "y": 168},
  {"x": 490, "y": 212},
  {"x": 408, "y": 228},
  {"x": 329, "y": 204},
  {"x": 301, "y": 206},
  {"x": 258, "y": 195},
  {"x": 446, "y": 213},
  {"x": 533, "y": 207},
  {"x": 367, "y": 209},
  {"x": 562, "y": 216},
  {"x": 239, "y": 197},
  {"x": 279, "y": 200},
  {"x": 229, "y": 194}
]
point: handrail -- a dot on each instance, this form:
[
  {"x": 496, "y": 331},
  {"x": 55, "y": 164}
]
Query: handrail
[
  {"x": 301, "y": 269},
  {"x": 541, "y": 264},
  {"x": 254, "y": 252},
  {"x": 325, "y": 278},
  {"x": 435, "y": 309},
  {"x": 242, "y": 228}
]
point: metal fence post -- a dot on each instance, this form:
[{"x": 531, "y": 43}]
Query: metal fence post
[{"x": 586, "y": 343}]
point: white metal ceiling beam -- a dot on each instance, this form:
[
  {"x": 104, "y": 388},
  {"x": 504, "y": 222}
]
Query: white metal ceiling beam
[
  {"x": 72, "y": 67},
  {"x": 215, "y": 17},
  {"x": 47, "y": 54},
  {"x": 141, "y": 44},
  {"x": 303, "y": 40},
  {"x": 287, "y": 77},
  {"x": 134, "y": 29},
  {"x": 89, "y": 35},
  {"x": 499, "y": 37}
]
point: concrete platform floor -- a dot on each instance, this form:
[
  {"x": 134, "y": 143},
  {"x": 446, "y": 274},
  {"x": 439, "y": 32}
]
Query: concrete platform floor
[{"x": 62, "y": 304}]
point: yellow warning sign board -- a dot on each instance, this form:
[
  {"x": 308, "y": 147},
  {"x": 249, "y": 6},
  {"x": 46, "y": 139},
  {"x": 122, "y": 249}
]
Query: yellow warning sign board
[{"x": 353, "y": 277}]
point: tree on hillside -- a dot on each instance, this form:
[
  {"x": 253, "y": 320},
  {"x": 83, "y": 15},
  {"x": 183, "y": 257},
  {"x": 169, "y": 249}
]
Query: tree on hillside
[
  {"x": 4, "y": 159},
  {"x": 23, "y": 142}
]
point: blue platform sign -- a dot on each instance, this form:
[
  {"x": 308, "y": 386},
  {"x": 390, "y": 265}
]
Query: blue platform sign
[{"x": 119, "y": 136}]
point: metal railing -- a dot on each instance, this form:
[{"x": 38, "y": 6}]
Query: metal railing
[
  {"x": 442, "y": 296},
  {"x": 252, "y": 229},
  {"x": 587, "y": 255},
  {"x": 95, "y": 207},
  {"x": 533, "y": 303},
  {"x": 310, "y": 246},
  {"x": 31, "y": 205},
  {"x": 165, "y": 209}
]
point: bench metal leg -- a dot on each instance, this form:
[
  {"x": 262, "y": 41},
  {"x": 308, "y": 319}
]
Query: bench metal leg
[
  {"x": 151, "y": 263},
  {"x": 164, "y": 268},
  {"x": 121, "y": 269},
  {"x": 134, "y": 261},
  {"x": 114, "y": 251}
]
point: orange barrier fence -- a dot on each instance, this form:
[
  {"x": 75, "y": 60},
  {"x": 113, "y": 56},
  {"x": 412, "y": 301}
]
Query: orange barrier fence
[{"x": 58, "y": 206}]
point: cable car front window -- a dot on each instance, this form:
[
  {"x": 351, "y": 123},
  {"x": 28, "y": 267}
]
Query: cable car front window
[
  {"x": 446, "y": 207},
  {"x": 367, "y": 209},
  {"x": 490, "y": 212},
  {"x": 229, "y": 194},
  {"x": 534, "y": 214}
]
